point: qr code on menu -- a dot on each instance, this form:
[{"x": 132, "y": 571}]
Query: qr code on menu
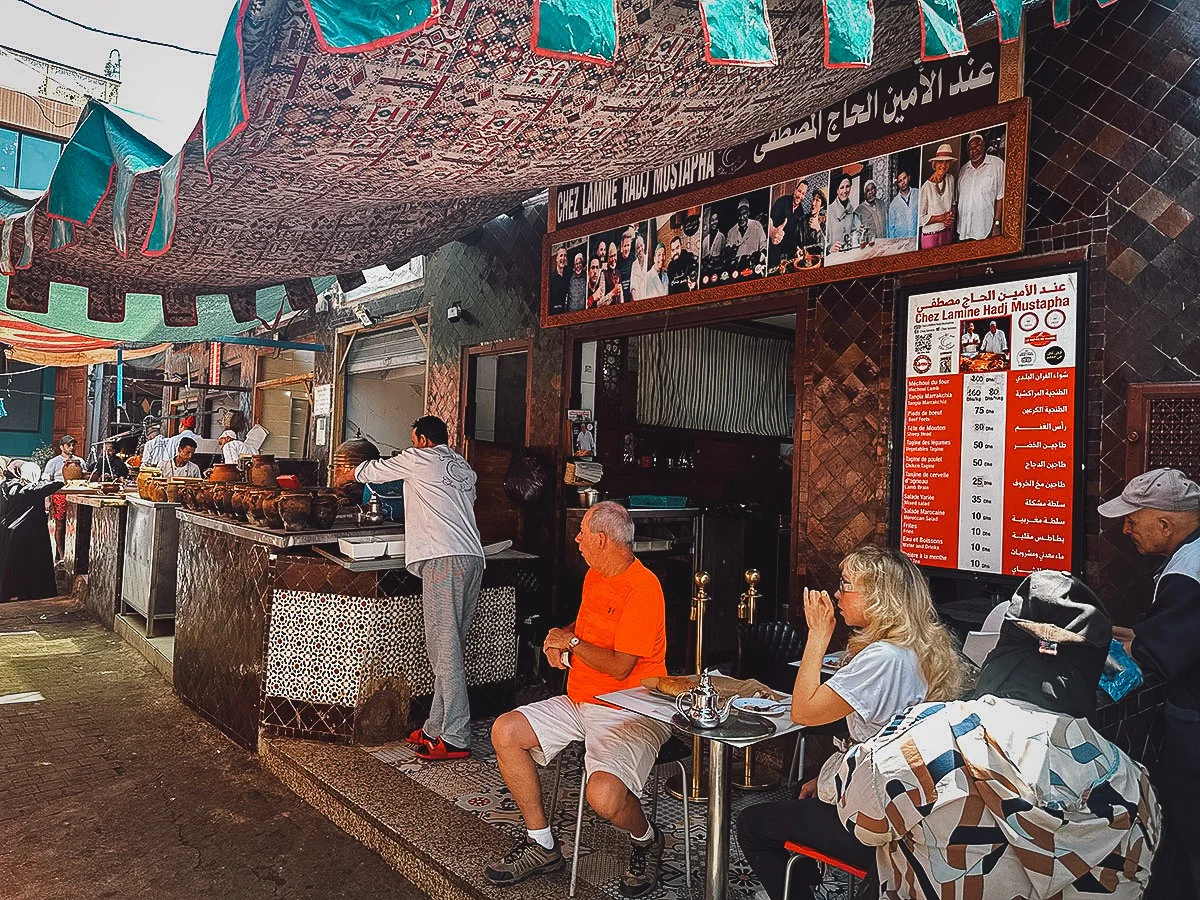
[
  {"x": 945, "y": 364},
  {"x": 924, "y": 341}
]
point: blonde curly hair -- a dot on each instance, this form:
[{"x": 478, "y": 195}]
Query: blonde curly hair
[{"x": 899, "y": 608}]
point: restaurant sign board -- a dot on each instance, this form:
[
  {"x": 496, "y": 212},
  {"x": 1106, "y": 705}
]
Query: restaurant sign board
[
  {"x": 943, "y": 193},
  {"x": 916, "y": 95},
  {"x": 989, "y": 463}
]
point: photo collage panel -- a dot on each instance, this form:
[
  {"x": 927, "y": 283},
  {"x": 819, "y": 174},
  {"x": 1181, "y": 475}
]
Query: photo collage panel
[{"x": 945, "y": 192}]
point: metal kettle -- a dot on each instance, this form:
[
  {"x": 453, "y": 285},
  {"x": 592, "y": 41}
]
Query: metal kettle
[
  {"x": 373, "y": 514},
  {"x": 701, "y": 706}
]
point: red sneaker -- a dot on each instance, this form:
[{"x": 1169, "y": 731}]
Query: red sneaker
[
  {"x": 438, "y": 749},
  {"x": 418, "y": 737}
]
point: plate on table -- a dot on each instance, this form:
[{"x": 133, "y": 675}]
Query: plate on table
[
  {"x": 498, "y": 547},
  {"x": 762, "y": 706}
]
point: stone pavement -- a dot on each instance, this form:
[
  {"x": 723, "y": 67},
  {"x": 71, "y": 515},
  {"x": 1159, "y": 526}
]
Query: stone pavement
[{"x": 110, "y": 788}]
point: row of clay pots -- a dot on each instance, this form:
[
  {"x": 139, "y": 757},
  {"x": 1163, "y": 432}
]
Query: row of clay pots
[{"x": 291, "y": 510}]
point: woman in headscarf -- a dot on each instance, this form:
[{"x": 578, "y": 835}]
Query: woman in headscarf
[
  {"x": 1012, "y": 793},
  {"x": 898, "y": 655}
]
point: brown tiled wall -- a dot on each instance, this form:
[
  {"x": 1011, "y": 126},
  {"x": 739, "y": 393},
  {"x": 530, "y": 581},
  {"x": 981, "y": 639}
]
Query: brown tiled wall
[{"x": 1114, "y": 170}]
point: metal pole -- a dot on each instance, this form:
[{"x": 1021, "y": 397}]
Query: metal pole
[
  {"x": 748, "y": 611},
  {"x": 717, "y": 874},
  {"x": 674, "y": 785}
]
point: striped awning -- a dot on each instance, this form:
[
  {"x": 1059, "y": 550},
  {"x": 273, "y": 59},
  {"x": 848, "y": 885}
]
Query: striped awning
[{"x": 41, "y": 346}]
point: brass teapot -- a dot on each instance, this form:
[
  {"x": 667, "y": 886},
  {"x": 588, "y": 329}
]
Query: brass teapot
[{"x": 701, "y": 706}]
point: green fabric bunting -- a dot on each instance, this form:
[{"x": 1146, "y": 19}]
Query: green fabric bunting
[
  {"x": 1062, "y": 12},
  {"x": 1008, "y": 19},
  {"x": 737, "y": 32},
  {"x": 941, "y": 29},
  {"x": 225, "y": 110},
  {"x": 849, "y": 33},
  {"x": 352, "y": 27},
  {"x": 575, "y": 29}
]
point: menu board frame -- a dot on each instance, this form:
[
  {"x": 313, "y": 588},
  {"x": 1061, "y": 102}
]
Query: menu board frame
[
  {"x": 671, "y": 220},
  {"x": 982, "y": 284}
]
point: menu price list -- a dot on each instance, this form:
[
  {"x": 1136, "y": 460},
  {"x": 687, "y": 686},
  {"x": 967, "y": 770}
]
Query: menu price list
[
  {"x": 1039, "y": 502},
  {"x": 930, "y": 483},
  {"x": 981, "y": 486}
]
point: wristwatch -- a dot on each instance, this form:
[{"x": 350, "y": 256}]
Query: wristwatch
[{"x": 573, "y": 643}]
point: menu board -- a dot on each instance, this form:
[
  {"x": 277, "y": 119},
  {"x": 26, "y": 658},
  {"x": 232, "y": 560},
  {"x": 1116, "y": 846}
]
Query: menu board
[{"x": 988, "y": 465}]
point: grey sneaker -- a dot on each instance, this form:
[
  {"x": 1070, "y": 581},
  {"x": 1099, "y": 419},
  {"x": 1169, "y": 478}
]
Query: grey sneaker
[
  {"x": 645, "y": 859},
  {"x": 526, "y": 859}
]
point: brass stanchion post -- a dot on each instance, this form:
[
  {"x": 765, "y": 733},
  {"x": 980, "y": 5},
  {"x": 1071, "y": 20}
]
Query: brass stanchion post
[
  {"x": 747, "y": 611},
  {"x": 697, "y": 791}
]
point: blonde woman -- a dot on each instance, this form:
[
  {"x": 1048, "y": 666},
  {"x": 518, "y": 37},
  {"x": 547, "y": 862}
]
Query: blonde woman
[{"x": 898, "y": 655}]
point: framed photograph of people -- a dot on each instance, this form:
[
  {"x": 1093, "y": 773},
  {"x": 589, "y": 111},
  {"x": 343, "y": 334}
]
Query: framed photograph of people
[
  {"x": 942, "y": 193},
  {"x": 615, "y": 251},
  {"x": 583, "y": 433},
  {"x": 796, "y": 227},
  {"x": 676, "y": 270},
  {"x": 569, "y": 277},
  {"x": 984, "y": 344},
  {"x": 740, "y": 223}
]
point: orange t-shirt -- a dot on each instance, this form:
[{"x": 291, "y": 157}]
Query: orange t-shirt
[{"x": 625, "y": 613}]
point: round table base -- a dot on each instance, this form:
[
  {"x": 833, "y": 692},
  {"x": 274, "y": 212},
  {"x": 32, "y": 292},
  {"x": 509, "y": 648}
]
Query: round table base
[{"x": 676, "y": 787}]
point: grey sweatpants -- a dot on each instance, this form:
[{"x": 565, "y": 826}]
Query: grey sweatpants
[{"x": 449, "y": 594}]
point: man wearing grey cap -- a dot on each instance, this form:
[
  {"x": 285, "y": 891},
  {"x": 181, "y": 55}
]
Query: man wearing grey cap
[{"x": 1161, "y": 509}]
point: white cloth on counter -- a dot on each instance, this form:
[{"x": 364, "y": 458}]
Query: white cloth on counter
[
  {"x": 439, "y": 501},
  {"x": 589, "y": 471}
]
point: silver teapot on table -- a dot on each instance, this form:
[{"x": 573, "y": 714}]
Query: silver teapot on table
[{"x": 701, "y": 706}]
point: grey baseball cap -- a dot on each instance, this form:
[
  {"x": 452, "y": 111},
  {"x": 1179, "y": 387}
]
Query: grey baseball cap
[{"x": 1164, "y": 489}]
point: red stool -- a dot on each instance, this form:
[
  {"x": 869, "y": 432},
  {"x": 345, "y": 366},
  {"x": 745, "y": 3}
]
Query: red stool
[{"x": 798, "y": 851}]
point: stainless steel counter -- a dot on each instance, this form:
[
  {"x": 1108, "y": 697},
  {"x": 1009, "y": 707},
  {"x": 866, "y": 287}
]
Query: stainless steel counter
[
  {"x": 151, "y": 549},
  {"x": 281, "y": 539}
]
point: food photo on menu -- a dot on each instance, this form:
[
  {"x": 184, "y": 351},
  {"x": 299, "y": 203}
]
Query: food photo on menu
[
  {"x": 736, "y": 229},
  {"x": 985, "y": 344}
]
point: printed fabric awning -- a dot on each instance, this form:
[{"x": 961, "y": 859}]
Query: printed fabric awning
[
  {"x": 321, "y": 150},
  {"x": 38, "y": 346}
]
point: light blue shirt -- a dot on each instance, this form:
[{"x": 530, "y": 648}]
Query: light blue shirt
[{"x": 902, "y": 215}]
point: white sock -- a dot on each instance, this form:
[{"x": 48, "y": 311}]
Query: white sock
[
  {"x": 649, "y": 835},
  {"x": 543, "y": 836}
]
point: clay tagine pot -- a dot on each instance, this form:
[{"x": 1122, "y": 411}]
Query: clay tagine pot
[
  {"x": 270, "y": 509},
  {"x": 325, "y": 506},
  {"x": 225, "y": 472},
  {"x": 254, "y": 510},
  {"x": 171, "y": 488},
  {"x": 158, "y": 491},
  {"x": 72, "y": 471},
  {"x": 295, "y": 508},
  {"x": 204, "y": 497},
  {"x": 263, "y": 470},
  {"x": 344, "y": 461},
  {"x": 241, "y": 494}
]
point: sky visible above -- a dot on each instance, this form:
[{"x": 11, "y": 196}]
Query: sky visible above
[{"x": 167, "y": 84}]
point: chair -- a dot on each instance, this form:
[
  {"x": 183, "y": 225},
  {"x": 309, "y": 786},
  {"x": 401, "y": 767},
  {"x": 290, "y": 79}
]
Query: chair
[
  {"x": 854, "y": 875},
  {"x": 765, "y": 652},
  {"x": 673, "y": 752}
]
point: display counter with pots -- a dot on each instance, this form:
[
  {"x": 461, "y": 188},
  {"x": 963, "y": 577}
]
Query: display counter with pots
[
  {"x": 96, "y": 538},
  {"x": 272, "y": 635}
]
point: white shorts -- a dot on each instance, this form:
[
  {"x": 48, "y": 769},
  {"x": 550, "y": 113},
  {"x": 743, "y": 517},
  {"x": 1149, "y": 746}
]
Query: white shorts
[{"x": 616, "y": 741}]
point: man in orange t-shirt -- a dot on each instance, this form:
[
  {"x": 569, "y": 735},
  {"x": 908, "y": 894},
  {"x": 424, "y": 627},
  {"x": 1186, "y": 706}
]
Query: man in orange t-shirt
[{"x": 618, "y": 638}]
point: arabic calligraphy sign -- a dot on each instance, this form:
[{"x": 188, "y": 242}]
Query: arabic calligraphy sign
[
  {"x": 988, "y": 473},
  {"x": 943, "y": 193},
  {"x": 919, "y": 95}
]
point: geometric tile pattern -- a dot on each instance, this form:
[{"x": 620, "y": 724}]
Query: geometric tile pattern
[
  {"x": 302, "y": 719},
  {"x": 1113, "y": 138},
  {"x": 475, "y": 785},
  {"x": 105, "y": 563},
  {"x": 323, "y": 647}
]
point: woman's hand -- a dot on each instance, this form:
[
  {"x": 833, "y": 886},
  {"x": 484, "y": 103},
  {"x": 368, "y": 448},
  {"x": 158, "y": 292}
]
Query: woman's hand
[
  {"x": 818, "y": 613},
  {"x": 808, "y": 789}
]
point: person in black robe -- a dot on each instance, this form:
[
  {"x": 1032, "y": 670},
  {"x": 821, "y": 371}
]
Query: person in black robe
[{"x": 26, "y": 560}]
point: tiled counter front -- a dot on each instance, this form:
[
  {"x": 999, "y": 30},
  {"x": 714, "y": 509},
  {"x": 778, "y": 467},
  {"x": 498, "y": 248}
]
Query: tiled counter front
[
  {"x": 284, "y": 639},
  {"x": 223, "y": 592},
  {"x": 336, "y": 640},
  {"x": 78, "y": 537},
  {"x": 105, "y": 560}
]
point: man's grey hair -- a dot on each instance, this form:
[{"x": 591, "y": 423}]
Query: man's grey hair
[{"x": 611, "y": 519}]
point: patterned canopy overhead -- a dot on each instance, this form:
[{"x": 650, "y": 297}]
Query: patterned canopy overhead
[{"x": 314, "y": 158}]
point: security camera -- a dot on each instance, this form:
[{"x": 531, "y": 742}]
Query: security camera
[
  {"x": 364, "y": 316},
  {"x": 454, "y": 313}
]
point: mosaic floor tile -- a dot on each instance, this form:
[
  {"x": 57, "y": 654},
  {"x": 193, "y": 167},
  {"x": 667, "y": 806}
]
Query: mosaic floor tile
[{"x": 475, "y": 785}]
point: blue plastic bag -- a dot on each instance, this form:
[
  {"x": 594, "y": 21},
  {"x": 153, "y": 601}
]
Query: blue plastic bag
[
  {"x": 1121, "y": 673},
  {"x": 391, "y": 498}
]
